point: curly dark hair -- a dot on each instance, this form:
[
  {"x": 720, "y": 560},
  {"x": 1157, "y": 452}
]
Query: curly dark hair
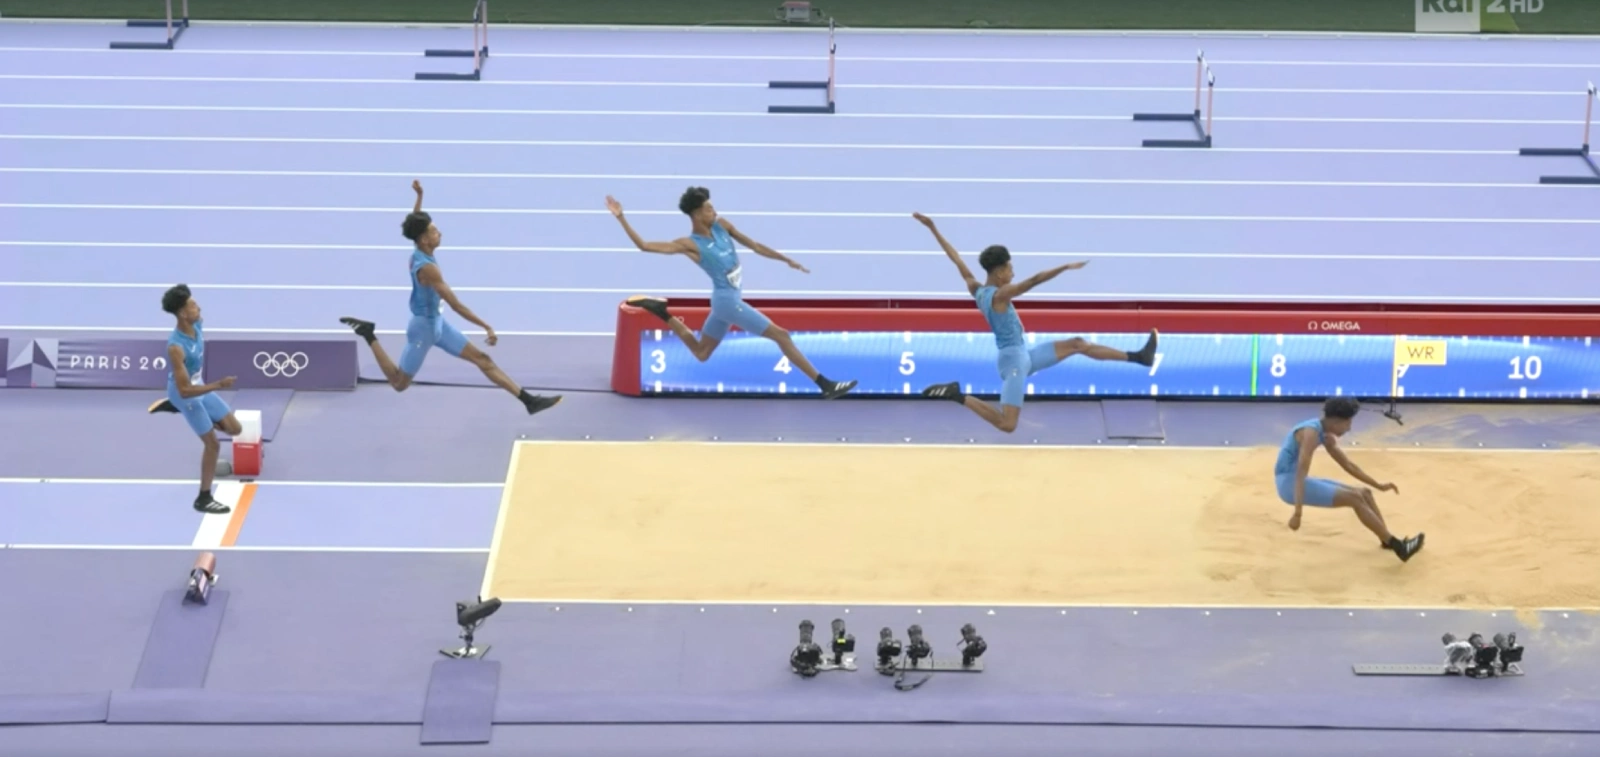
[
  {"x": 415, "y": 225},
  {"x": 692, "y": 199},
  {"x": 175, "y": 299}
]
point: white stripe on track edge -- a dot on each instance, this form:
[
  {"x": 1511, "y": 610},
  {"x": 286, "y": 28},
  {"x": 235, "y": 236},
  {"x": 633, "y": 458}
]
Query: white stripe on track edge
[
  {"x": 816, "y": 57},
  {"x": 1306, "y": 150},
  {"x": 804, "y": 179},
  {"x": 214, "y": 526},
  {"x": 810, "y": 214},
  {"x": 1446, "y": 258}
]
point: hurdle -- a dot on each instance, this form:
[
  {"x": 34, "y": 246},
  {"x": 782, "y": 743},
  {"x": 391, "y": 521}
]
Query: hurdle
[
  {"x": 479, "y": 52},
  {"x": 1572, "y": 152},
  {"x": 1202, "y": 123},
  {"x": 824, "y": 85},
  {"x": 174, "y": 31}
]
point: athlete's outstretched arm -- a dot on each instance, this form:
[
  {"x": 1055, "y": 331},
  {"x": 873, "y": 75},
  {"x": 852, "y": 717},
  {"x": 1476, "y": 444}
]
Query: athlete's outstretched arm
[
  {"x": 1349, "y": 466},
  {"x": 675, "y": 247},
  {"x": 1018, "y": 288},
  {"x": 950, "y": 250},
  {"x": 185, "y": 383},
  {"x": 430, "y": 276},
  {"x": 417, "y": 185},
  {"x": 757, "y": 247},
  {"x": 1302, "y": 468}
]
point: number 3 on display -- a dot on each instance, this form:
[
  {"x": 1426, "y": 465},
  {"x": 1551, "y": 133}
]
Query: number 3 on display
[{"x": 658, "y": 361}]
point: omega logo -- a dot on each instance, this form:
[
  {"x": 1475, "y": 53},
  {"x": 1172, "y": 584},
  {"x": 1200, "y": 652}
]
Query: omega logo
[{"x": 1333, "y": 326}]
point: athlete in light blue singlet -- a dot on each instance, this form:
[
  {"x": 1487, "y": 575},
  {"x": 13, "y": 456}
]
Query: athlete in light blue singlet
[
  {"x": 710, "y": 246},
  {"x": 1295, "y": 487},
  {"x": 428, "y": 327},
  {"x": 197, "y": 402},
  {"x": 995, "y": 299}
]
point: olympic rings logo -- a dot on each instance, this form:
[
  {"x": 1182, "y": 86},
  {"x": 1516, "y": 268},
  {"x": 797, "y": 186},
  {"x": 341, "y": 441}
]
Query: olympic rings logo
[{"x": 275, "y": 364}]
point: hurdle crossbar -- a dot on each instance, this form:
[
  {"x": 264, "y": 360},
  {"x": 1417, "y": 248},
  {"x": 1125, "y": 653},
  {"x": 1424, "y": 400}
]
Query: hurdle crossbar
[
  {"x": 1200, "y": 117},
  {"x": 479, "y": 52},
  {"x": 174, "y": 28},
  {"x": 1572, "y": 152},
  {"x": 833, "y": 51}
]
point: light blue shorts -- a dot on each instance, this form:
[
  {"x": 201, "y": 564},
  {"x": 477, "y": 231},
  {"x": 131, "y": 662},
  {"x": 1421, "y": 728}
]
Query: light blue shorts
[
  {"x": 1017, "y": 364},
  {"x": 1319, "y": 491},
  {"x": 730, "y": 309},
  {"x": 202, "y": 413},
  {"x": 423, "y": 334}
]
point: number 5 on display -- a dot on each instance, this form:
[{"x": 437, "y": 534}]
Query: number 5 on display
[{"x": 907, "y": 365}]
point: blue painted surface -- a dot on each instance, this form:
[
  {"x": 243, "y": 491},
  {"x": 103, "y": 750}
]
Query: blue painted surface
[
  {"x": 97, "y": 514},
  {"x": 380, "y": 516}
]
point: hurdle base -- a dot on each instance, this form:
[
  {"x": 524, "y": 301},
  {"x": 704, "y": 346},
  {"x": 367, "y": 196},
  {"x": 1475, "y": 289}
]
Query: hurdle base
[
  {"x": 797, "y": 85},
  {"x": 801, "y": 108},
  {"x": 142, "y": 45},
  {"x": 178, "y": 26},
  {"x": 1178, "y": 143},
  {"x": 474, "y": 76},
  {"x": 1566, "y": 152},
  {"x": 1194, "y": 117},
  {"x": 455, "y": 53},
  {"x": 1569, "y": 152}
]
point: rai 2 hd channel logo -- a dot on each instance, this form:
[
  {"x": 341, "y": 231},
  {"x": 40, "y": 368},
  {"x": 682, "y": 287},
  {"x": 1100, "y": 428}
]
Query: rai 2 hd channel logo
[{"x": 1473, "y": 16}]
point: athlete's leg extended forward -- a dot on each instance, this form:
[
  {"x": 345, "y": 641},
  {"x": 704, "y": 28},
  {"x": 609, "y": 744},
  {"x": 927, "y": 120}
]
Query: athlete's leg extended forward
[
  {"x": 727, "y": 312},
  {"x": 1322, "y": 492},
  {"x": 1016, "y": 365},
  {"x": 422, "y": 335}
]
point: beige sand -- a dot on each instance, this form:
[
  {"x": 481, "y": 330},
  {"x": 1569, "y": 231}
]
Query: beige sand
[{"x": 664, "y": 521}]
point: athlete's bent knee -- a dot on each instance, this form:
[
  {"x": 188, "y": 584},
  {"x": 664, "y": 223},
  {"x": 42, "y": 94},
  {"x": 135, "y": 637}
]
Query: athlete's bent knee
[
  {"x": 210, "y": 442},
  {"x": 400, "y": 381},
  {"x": 231, "y": 426},
  {"x": 1008, "y": 425}
]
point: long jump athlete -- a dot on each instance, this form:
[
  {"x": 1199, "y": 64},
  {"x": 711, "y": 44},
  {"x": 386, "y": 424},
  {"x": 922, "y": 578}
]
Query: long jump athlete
[
  {"x": 428, "y": 328},
  {"x": 710, "y": 246},
  {"x": 1295, "y": 488},
  {"x": 1016, "y": 362},
  {"x": 199, "y": 405}
]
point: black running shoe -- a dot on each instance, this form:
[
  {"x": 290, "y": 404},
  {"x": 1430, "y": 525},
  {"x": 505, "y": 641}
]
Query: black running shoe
[
  {"x": 365, "y": 329},
  {"x": 1146, "y": 355},
  {"x": 205, "y": 504},
  {"x": 163, "y": 406},
  {"x": 837, "y": 389},
  {"x": 537, "y": 403},
  {"x": 653, "y": 305},
  {"x": 950, "y": 391},
  {"x": 1408, "y": 547}
]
